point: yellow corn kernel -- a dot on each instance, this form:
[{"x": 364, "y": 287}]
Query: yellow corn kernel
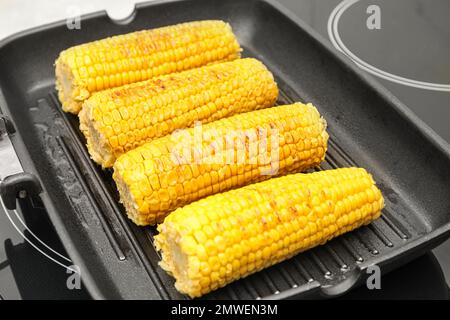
[
  {"x": 123, "y": 108},
  {"x": 119, "y": 60},
  {"x": 266, "y": 244},
  {"x": 209, "y": 173}
]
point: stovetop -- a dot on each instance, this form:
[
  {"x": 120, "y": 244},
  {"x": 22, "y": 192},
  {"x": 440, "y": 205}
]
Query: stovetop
[{"x": 406, "y": 42}]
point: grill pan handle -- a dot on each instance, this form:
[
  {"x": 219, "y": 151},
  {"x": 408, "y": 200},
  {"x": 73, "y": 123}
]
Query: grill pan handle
[
  {"x": 14, "y": 182},
  {"x": 19, "y": 185}
]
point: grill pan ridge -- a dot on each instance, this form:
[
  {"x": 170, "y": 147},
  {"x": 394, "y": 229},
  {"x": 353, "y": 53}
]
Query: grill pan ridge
[{"x": 368, "y": 127}]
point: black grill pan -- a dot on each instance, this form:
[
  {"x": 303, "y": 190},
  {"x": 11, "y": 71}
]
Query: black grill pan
[{"x": 368, "y": 127}]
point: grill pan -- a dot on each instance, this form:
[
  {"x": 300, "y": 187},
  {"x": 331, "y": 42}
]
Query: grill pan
[{"x": 368, "y": 127}]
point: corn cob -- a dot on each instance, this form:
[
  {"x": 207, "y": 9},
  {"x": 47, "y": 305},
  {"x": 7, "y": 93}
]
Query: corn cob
[
  {"x": 117, "y": 120},
  {"x": 214, "y": 241},
  {"x": 156, "y": 178},
  {"x": 119, "y": 60}
]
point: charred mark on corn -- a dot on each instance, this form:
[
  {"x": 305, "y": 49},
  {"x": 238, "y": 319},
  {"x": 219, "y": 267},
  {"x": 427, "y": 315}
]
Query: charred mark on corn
[
  {"x": 123, "y": 59},
  {"x": 118, "y": 120},
  {"x": 152, "y": 182},
  {"x": 203, "y": 257}
]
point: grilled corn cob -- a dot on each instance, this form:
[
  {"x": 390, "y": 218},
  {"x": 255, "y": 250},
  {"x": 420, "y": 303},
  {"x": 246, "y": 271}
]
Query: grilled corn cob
[
  {"x": 119, "y": 60},
  {"x": 227, "y": 236},
  {"x": 117, "y": 120},
  {"x": 156, "y": 178}
]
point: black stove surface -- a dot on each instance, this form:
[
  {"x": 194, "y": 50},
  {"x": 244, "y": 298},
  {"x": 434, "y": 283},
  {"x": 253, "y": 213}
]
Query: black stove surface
[{"x": 411, "y": 47}]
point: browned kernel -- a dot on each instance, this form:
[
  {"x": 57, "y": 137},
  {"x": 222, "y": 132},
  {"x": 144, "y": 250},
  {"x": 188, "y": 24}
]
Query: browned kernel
[
  {"x": 204, "y": 176},
  {"x": 171, "y": 108},
  {"x": 141, "y": 55}
]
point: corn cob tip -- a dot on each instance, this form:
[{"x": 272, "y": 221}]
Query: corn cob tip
[
  {"x": 70, "y": 94},
  {"x": 96, "y": 142},
  {"x": 130, "y": 204}
]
